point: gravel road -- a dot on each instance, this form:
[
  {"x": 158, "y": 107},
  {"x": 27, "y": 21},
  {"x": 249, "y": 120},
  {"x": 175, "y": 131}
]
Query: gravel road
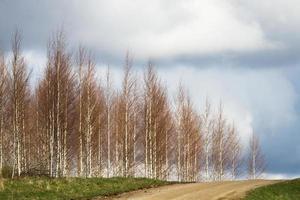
[{"x": 226, "y": 190}]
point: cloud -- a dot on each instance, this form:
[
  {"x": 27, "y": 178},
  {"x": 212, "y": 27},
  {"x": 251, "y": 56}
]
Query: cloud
[
  {"x": 171, "y": 28},
  {"x": 279, "y": 20},
  {"x": 156, "y": 29},
  {"x": 283, "y": 17}
]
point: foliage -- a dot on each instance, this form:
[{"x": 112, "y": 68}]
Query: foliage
[{"x": 6, "y": 171}]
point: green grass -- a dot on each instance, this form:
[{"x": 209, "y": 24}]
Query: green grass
[
  {"x": 287, "y": 190},
  {"x": 71, "y": 188}
]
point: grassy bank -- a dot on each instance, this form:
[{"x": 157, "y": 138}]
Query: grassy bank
[
  {"x": 288, "y": 190},
  {"x": 71, "y": 188}
]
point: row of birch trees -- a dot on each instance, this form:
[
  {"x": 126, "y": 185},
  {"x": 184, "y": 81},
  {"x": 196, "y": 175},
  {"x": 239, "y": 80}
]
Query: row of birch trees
[{"x": 71, "y": 123}]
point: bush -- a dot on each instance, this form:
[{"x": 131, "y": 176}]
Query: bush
[
  {"x": 35, "y": 172},
  {"x": 6, "y": 171}
]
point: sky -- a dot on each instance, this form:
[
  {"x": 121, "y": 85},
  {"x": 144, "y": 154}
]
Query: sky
[{"x": 245, "y": 53}]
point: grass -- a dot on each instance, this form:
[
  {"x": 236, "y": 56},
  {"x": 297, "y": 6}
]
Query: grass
[
  {"x": 287, "y": 190},
  {"x": 71, "y": 188}
]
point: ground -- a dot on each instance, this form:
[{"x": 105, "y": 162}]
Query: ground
[{"x": 197, "y": 191}]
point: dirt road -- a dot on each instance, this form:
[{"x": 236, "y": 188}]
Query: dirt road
[{"x": 200, "y": 191}]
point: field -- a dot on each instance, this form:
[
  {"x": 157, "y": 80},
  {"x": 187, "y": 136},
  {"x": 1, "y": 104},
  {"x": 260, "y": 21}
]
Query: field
[
  {"x": 71, "y": 188},
  {"x": 287, "y": 190}
]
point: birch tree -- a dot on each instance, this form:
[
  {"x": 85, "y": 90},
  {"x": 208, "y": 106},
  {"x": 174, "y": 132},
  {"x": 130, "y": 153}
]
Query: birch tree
[
  {"x": 58, "y": 117},
  {"x": 39, "y": 138},
  {"x": 128, "y": 101},
  {"x": 89, "y": 114},
  {"x": 207, "y": 127},
  {"x": 45, "y": 114},
  {"x": 108, "y": 108},
  {"x": 189, "y": 145},
  {"x": 73, "y": 125},
  {"x": 150, "y": 80},
  {"x": 3, "y": 104},
  {"x": 164, "y": 130},
  {"x": 19, "y": 93},
  {"x": 80, "y": 62},
  {"x": 219, "y": 146},
  {"x": 156, "y": 111},
  {"x": 234, "y": 152},
  {"x": 118, "y": 134},
  {"x": 256, "y": 160}
]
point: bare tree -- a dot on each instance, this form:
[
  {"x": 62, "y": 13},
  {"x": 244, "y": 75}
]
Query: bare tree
[
  {"x": 73, "y": 125},
  {"x": 189, "y": 142},
  {"x": 45, "y": 113},
  {"x": 58, "y": 85},
  {"x": 88, "y": 114},
  {"x": 234, "y": 152},
  {"x": 108, "y": 106},
  {"x": 256, "y": 159},
  {"x": 19, "y": 93},
  {"x": 150, "y": 80},
  {"x": 156, "y": 129},
  {"x": 128, "y": 101},
  {"x": 80, "y": 62},
  {"x": 92, "y": 112},
  {"x": 101, "y": 128},
  {"x": 117, "y": 134},
  {"x": 38, "y": 147},
  {"x": 3, "y": 104},
  {"x": 219, "y": 138},
  {"x": 207, "y": 127}
]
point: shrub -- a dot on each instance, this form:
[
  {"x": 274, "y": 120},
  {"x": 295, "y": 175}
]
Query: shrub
[{"x": 6, "y": 171}]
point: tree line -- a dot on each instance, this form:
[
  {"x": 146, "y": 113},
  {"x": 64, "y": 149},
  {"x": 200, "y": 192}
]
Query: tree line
[{"x": 72, "y": 124}]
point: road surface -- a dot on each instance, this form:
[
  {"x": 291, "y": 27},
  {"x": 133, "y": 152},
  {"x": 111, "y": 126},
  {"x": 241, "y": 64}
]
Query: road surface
[{"x": 197, "y": 191}]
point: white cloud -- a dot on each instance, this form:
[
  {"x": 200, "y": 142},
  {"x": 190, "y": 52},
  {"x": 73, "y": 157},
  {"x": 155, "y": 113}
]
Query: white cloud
[
  {"x": 279, "y": 18},
  {"x": 165, "y": 28},
  {"x": 159, "y": 29}
]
